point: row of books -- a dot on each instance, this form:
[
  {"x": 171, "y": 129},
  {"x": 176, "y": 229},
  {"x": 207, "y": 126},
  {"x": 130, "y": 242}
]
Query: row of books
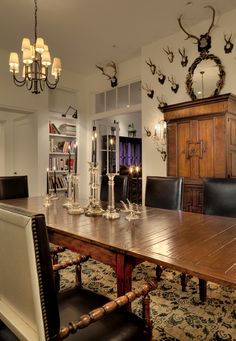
[
  {"x": 61, "y": 181},
  {"x": 62, "y": 146},
  {"x": 60, "y": 164}
]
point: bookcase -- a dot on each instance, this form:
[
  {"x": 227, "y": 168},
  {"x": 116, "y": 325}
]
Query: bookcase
[{"x": 62, "y": 151}]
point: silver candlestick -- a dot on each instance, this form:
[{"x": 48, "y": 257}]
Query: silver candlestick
[
  {"x": 47, "y": 200},
  {"x": 111, "y": 212},
  {"x": 93, "y": 209},
  {"x": 75, "y": 207},
  {"x": 68, "y": 200}
]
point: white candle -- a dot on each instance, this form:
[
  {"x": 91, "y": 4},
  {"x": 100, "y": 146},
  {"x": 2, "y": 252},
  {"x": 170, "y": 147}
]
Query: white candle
[
  {"x": 47, "y": 180},
  {"x": 76, "y": 150},
  {"x": 54, "y": 180},
  {"x": 111, "y": 151}
]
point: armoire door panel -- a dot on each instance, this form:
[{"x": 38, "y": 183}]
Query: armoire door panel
[
  {"x": 219, "y": 152},
  {"x": 206, "y": 140},
  {"x": 171, "y": 149},
  {"x": 184, "y": 162}
]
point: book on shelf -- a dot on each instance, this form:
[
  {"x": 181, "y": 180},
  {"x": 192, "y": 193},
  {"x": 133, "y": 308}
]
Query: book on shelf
[
  {"x": 61, "y": 182},
  {"x": 53, "y": 129},
  {"x": 62, "y": 146},
  {"x": 67, "y": 129}
]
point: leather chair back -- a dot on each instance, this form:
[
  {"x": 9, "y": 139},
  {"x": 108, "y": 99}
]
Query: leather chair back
[
  {"x": 164, "y": 192},
  {"x": 219, "y": 196},
  {"x": 120, "y": 188},
  {"x": 12, "y": 187},
  {"x": 28, "y": 304}
]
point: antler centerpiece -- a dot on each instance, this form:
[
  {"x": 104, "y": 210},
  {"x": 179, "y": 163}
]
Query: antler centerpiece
[{"x": 132, "y": 209}]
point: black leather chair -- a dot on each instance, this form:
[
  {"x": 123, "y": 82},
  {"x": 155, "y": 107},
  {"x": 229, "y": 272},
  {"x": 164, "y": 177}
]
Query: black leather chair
[
  {"x": 120, "y": 188},
  {"x": 167, "y": 193},
  {"x": 164, "y": 192},
  {"x": 12, "y": 187},
  {"x": 219, "y": 196},
  {"x": 31, "y": 308}
]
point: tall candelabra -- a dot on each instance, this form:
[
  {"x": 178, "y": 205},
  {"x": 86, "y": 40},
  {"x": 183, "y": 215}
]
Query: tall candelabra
[
  {"x": 93, "y": 209},
  {"x": 75, "y": 208},
  {"x": 111, "y": 212}
]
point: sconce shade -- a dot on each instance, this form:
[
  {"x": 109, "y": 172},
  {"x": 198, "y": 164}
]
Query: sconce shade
[
  {"x": 25, "y": 44},
  {"x": 14, "y": 62},
  {"x": 27, "y": 57},
  {"x": 39, "y": 46},
  {"x": 46, "y": 58}
]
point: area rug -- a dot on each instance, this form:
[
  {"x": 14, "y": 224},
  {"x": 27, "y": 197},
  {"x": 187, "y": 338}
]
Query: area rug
[{"x": 176, "y": 315}]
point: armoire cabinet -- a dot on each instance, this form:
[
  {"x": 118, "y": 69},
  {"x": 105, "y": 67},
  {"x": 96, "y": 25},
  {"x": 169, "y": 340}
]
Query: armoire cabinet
[{"x": 201, "y": 142}]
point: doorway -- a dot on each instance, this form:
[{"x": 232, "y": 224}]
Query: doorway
[{"x": 126, "y": 129}]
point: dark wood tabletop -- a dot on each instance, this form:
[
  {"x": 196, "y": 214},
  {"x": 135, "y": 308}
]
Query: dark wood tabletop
[{"x": 194, "y": 243}]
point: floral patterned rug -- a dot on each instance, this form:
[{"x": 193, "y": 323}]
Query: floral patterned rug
[{"x": 176, "y": 315}]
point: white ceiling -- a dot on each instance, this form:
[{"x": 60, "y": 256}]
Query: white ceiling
[{"x": 88, "y": 32}]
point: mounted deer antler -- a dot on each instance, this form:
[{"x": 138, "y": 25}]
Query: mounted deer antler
[
  {"x": 170, "y": 54},
  {"x": 161, "y": 102},
  {"x": 204, "y": 41},
  {"x": 148, "y": 131},
  {"x": 150, "y": 92},
  {"x": 229, "y": 45},
  {"x": 152, "y": 66},
  {"x": 161, "y": 76},
  {"x": 174, "y": 86},
  {"x": 113, "y": 77},
  {"x": 184, "y": 58}
]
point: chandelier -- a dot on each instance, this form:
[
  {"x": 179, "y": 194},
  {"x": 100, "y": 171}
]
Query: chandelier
[{"x": 36, "y": 62}]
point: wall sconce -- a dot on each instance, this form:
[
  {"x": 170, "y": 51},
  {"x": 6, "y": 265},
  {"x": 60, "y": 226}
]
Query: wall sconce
[
  {"x": 159, "y": 137},
  {"x": 71, "y": 111}
]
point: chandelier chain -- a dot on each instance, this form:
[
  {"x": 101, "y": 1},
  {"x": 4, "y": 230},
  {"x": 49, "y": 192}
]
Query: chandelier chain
[{"x": 35, "y": 20}]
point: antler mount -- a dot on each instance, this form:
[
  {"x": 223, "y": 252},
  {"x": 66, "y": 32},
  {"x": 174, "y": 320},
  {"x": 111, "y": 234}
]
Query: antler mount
[{"x": 204, "y": 41}]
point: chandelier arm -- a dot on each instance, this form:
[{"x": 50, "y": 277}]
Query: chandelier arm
[
  {"x": 51, "y": 85},
  {"x": 18, "y": 82}
]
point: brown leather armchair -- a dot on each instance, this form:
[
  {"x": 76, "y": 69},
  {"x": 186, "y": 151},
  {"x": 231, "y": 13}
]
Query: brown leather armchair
[{"x": 32, "y": 309}]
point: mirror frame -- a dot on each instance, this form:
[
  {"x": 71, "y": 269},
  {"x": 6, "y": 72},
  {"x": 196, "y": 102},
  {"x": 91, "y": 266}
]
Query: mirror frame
[{"x": 189, "y": 77}]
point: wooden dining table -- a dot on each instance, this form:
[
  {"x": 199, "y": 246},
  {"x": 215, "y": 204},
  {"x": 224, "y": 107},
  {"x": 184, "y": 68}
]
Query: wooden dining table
[{"x": 196, "y": 244}]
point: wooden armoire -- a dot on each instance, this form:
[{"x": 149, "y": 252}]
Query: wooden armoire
[{"x": 201, "y": 142}]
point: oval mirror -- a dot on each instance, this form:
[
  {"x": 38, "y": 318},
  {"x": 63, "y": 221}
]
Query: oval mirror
[{"x": 205, "y": 77}]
